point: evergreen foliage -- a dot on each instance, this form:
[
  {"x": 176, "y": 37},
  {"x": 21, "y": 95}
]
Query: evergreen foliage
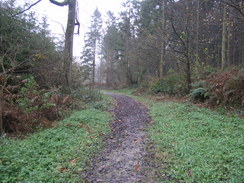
[
  {"x": 92, "y": 46},
  {"x": 173, "y": 84},
  {"x": 199, "y": 94},
  {"x": 26, "y": 45}
]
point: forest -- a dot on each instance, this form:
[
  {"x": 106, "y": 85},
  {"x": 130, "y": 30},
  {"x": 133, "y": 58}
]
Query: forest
[
  {"x": 173, "y": 47},
  {"x": 179, "y": 63}
]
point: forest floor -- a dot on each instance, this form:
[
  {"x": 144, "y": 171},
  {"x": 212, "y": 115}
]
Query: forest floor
[
  {"x": 124, "y": 158},
  {"x": 150, "y": 140}
]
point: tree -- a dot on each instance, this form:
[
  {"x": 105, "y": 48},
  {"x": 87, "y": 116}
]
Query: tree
[
  {"x": 156, "y": 37},
  {"x": 68, "y": 47},
  {"x": 111, "y": 50},
  {"x": 223, "y": 44},
  {"x": 162, "y": 50},
  {"x": 92, "y": 41},
  {"x": 197, "y": 30}
]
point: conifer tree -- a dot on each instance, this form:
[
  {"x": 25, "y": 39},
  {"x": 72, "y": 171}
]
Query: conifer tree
[{"x": 92, "y": 44}]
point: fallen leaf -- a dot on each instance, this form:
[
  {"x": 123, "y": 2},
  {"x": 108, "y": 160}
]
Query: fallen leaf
[
  {"x": 189, "y": 173},
  {"x": 81, "y": 125},
  {"x": 137, "y": 168},
  {"x": 63, "y": 169},
  {"x": 136, "y": 140},
  {"x": 73, "y": 161}
]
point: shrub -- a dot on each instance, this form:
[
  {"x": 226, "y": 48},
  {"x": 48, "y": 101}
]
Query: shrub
[
  {"x": 172, "y": 84},
  {"x": 199, "y": 94},
  {"x": 199, "y": 91},
  {"x": 82, "y": 93},
  {"x": 227, "y": 87}
]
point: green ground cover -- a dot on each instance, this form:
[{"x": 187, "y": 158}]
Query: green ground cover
[
  {"x": 196, "y": 144},
  {"x": 56, "y": 154},
  {"x": 203, "y": 146}
]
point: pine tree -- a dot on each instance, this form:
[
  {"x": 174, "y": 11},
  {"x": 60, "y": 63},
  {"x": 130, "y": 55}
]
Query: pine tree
[{"x": 92, "y": 44}]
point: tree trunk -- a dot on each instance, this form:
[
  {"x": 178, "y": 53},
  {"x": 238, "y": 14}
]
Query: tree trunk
[
  {"x": 162, "y": 49},
  {"x": 223, "y": 44},
  {"x": 1, "y": 111},
  {"x": 241, "y": 61},
  {"x": 188, "y": 75},
  {"x": 197, "y": 31},
  {"x": 68, "y": 48},
  {"x": 188, "y": 63},
  {"x": 94, "y": 63}
]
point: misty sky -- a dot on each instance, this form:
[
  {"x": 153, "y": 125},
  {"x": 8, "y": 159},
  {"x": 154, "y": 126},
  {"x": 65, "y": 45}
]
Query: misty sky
[{"x": 57, "y": 16}]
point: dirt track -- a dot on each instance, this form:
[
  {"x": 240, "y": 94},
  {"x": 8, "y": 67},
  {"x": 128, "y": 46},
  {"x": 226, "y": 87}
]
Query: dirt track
[{"x": 123, "y": 158}]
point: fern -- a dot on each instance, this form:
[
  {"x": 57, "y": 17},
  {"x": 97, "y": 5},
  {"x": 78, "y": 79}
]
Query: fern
[{"x": 199, "y": 94}]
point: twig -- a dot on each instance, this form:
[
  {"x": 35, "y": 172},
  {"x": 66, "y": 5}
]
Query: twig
[{"x": 27, "y": 8}]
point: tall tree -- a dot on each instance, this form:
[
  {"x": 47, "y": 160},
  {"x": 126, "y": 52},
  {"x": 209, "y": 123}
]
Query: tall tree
[
  {"x": 68, "y": 47},
  {"x": 92, "y": 41},
  {"x": 111, "y": 50},
  {"x": 197, "y": 30},
  {"x": 149, "y": 45},
  {"x": 162, "y": 50},
  {"x": 223, "y": 44}
]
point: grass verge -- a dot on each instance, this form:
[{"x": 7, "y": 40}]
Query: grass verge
[
  {"x": 57, "y": 154},
  {"x": 201, "y": 145},
  {"x": 196, "y": 144}
]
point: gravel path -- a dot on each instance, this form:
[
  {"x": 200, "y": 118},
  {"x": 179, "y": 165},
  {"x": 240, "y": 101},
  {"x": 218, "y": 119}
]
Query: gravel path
[{"x": 123, "y": 158}]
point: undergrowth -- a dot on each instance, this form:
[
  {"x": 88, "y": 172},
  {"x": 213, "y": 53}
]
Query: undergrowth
[{"x": 56, "y": 154}]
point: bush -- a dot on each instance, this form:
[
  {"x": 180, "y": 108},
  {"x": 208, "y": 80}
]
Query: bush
[
  {"x": 199, "y": 94},
  {"x": 82, "y": 93},
  {"x": 199, "y": 91},
  {"x": 172, "y": 84},
  {"x": 227, "y": 88}
]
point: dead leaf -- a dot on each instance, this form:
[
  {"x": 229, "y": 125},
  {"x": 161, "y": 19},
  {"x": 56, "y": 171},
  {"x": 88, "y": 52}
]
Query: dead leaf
[
  {"x": 63, "y": 169},
  {"x": 81, "y": 125},
  {"x": 73, "y": 161},
  {"x": 66, "y": 99},
  {"x": 136, "y": 140},
  {"x": 137, "y": 168},
  {"x": 69, "y": 124},
  {"x": 189, "y": 173}
]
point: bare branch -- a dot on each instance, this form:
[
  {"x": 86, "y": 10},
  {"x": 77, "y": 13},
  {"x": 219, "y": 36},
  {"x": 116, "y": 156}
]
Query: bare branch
[
  {"x": 235, "y": 6},
  {"x": 27, "y": 8},
  {"x": 176, "y": 33},
  {"x": 178, "y": 51}
]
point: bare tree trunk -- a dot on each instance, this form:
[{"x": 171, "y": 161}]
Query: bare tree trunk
[
  {"x": 242, "y": 46},
  {"x": 188, "y": 62},
  {"x": 162, "y": 50},
  {"x": 69, "y": 35},
  {"x": 197, "y": 27},
  {"x": 223, "y": 44},
  {"x": 68, "y": 48},
  {"x": 1, "y": 111},
  {"x": 94, "y": 63},
  {"x": 2, "y": 86},
  {"x": 188, "y": 75}
]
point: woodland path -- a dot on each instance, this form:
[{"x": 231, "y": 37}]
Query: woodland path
[{"x": 122, "y": 160}]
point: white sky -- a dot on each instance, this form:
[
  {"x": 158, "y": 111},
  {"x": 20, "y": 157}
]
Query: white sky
[{"x": 58, "y": 15}]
